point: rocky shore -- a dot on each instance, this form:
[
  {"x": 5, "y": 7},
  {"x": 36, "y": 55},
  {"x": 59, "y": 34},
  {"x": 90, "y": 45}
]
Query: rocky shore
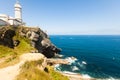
[
  {"x": 77, "y": 77},
  {"x": 16, "y": 39}
]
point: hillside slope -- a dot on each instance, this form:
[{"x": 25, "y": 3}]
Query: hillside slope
[{"x": 23, "y": 51}]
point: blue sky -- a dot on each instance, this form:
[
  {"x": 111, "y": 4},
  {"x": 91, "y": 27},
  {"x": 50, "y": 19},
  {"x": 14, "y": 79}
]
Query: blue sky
[{"x": 76, "y": 17}]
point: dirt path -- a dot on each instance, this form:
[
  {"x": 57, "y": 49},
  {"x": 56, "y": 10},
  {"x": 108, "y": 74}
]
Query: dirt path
[{"x": 10, "y": 72}]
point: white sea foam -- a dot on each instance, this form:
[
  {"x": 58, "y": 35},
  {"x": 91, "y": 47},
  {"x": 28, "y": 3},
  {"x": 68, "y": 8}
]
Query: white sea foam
[
  {"x": 57, "y": 67},
  {"x": 75, "y": 68},
  {"x": 83, "y": 62},
  {"x": 82, "y": 66},
  {"x": 86, "y": 76},
  {"x": 109, "y": 79},
  {"x": 67, "y": 72},
  {"x": 58, "y": 55},
  {"x": 83, "y": 75},
  {"x": 71, "y": 60}
]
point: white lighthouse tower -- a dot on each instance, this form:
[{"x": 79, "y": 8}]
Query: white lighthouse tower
[
  {"x": 16, "y": 21},
  {"x": 18, "y": 11}
]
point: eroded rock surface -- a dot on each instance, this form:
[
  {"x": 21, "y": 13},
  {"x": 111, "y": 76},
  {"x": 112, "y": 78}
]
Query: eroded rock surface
[
  {"x": 6, "y": 36},
  {"x": 37, "y": 38},
  {"x": 40, "y": 40}
]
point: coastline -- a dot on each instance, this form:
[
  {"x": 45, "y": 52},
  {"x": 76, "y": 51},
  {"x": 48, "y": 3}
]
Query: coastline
[
  {"x": 70, "y": 75},
  {"x": 77, "y": 76},
  {"x": 94, "y": 54}
]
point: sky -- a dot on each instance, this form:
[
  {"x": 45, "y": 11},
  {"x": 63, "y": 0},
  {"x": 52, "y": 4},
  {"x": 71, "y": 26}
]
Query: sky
[{"x": 69, "y": 17}]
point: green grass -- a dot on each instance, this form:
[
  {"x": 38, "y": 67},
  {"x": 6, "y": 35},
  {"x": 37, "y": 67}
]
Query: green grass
[
  {"x": 11, "y": 56},
  {"x": 8, "y": 56},
  {"x": 31, "y": 71},
  {"x": 56, "y": 75},
  {"x": 5, "y": 51},
  {"x": 23, "y": 47}
]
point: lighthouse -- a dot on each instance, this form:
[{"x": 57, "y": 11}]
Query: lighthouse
[
  {"x": 16, "y": 20},
  {"x": 18, "y": 11}
]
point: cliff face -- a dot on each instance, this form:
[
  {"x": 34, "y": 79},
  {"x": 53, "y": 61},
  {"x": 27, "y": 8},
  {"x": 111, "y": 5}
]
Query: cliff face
[{"x": 34, "y": 36}]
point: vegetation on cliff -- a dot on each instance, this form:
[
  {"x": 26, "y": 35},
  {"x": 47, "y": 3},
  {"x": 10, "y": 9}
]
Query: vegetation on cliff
[
  {"x": 8, "y": 55},
  {"x": 31, "y": 71},
  {"x": 26, "y": 39},
  {"x": 16, "y": 41}
]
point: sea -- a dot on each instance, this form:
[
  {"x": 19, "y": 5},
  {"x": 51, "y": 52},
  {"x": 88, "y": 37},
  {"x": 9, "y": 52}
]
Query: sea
[{"x": 96, "y": 56}]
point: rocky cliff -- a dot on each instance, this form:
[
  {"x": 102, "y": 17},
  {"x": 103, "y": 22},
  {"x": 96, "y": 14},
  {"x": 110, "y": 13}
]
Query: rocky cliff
[{"x": 9, "y": 36}]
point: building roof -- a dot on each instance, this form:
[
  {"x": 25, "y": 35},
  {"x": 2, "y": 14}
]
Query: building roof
[
  {"x": 3, "y": 23},
  {"x": 3, "y": 15}
]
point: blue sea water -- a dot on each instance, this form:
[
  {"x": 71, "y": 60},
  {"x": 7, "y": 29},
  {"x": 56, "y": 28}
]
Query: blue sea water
[{"x": 98, "y": 56}]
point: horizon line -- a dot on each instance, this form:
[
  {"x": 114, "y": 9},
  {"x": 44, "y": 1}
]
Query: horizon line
[{"x": 87, "y": 34}]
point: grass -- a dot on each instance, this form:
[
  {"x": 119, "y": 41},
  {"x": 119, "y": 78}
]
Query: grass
[
  {"x": 23, "y": 47},
  {"x": 31, "y": 71},
  {"x": 56, "y": 75},
  {"x": 9, "y": 56},
  {"x": 5, "y": 51}
]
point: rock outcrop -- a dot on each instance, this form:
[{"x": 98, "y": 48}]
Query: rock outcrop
[
  {"x": 57, "y": 61},
  {"x": 37, "y": 38},
  {"x": 6, "y": 36}
]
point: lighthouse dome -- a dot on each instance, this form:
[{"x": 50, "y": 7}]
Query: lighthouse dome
[{"x": 17, "y": 5}]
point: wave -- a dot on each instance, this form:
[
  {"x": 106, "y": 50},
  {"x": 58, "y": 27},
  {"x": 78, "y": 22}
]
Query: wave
[
  {"x": 83, "y": 62},
  {"x": 111, "y": 78},
  {"x": 58, "y": 56},
  {"x": 86, "y": 76},
  {"x": 76, "y": 66},
  {"x": 68, "y": 72},
  {"x": 71, "y": 60}
]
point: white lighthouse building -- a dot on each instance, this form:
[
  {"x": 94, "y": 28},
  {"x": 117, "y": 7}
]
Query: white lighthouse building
[
  {"x": 18, "y": 11},
  {"x": 16, "y": 20}
]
